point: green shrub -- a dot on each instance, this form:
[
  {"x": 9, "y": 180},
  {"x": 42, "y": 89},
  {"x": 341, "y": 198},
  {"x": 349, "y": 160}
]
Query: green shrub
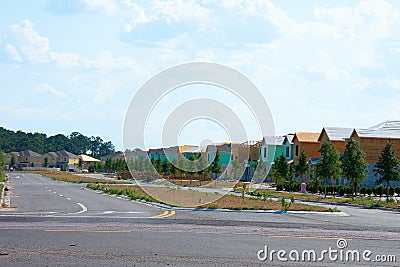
[
  {"x": 397, "y": 190},
  {"x": 391, "y": 191},
  {"x": 363, "y": 190},
  {"x": 368, "y": 191}
]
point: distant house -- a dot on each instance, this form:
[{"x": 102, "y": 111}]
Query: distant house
[
  {"x": 288, "y": 144},
  {"x": 195, "y": 151},
  {"x": 373, "y": 140},
  {"x": 224, "y": 150},
  {"x": 271, "y": 148},
  {"x": 168, "y": 153},
  {"x": 24, "y": 159},
  {"x": 113, "y": 156},
  {"x": 308, "y": 142},
  {"x": 136, "y": 154},
  {"x": 337, "y": 136},
  {"x": 86, "y": 161},
  {"x": 62, "y": 159}
]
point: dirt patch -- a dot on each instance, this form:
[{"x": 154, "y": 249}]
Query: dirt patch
[{"x": 193, "y": 198}]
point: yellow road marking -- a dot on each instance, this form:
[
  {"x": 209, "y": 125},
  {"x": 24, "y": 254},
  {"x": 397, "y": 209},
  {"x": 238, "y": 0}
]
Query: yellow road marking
[
  {"x": 166, "y": 214},
  {"x": 161, "y": 215},
  {"x": 310, "y": 237},
  {"x": 88, "y": 231},
  {"x": 171, "y": 214}
]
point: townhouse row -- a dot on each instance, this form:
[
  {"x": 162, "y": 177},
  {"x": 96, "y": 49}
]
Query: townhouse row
[
  {"x": 371, "y": 140},
  {"x": 63, "y": 160}
]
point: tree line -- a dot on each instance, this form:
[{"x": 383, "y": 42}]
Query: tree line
[
  {"x": 352, "y": 166},
  {"x": 75, "y": 143}
]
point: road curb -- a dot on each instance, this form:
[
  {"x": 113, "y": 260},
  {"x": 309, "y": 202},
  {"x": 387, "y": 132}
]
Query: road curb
[
  {"x": 164, "y": 206},
  {"x": 350, "y": 205}
]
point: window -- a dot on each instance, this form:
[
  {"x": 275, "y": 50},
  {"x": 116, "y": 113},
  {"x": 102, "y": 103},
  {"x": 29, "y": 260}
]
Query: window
[
  {"x": 265, "y": 152},
  {"x": 297, "y": 151},
  {"x": 287, "y": 152}
]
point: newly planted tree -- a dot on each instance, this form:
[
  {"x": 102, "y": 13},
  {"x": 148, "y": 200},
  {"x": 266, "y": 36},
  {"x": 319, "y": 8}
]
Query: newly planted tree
[
  {"x": 280, "y": 170},
  {"x": 354, "y": 165},
  {"x": 303, "y": 166},
  {"x": 387, "y": 168},
  {"x": 329, "y": 166},
  {"x": 216, "y": 165}
]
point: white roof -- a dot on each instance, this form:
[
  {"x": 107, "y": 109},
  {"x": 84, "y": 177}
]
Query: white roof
[
  {"x": 274, "y": 140},
  {"x": 87, "y": 158},
  {"x": 338, "y": 133},
  {"x": 387, "y": 129}
]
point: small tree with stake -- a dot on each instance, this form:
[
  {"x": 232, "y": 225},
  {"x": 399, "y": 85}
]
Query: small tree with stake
[
  {"x": 354, "y": 166},
  {"x": 329, "y": 166},
  {"x": 387, "y": 168},
  {"x": 303, "y": 167}
]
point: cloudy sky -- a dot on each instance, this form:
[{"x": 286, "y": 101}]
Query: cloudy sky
[{"x": 75, "y": 65}]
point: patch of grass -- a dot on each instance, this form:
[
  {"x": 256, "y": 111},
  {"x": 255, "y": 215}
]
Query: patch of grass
[
  {"x": 364, "y": 201},
  {"x": 197, "y": 199},
  {"x": 72, "y": 178},
  {"x": 2, "y": 177}
]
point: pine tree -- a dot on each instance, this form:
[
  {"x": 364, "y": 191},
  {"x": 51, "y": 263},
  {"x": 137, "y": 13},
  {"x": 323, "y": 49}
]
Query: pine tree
[
  {"x": 303, "y": 167},
  {"x": 387, "y": 168},
  {"x": 329, "y": 165},
  {"x": 216, "y": 165},
  {"x": 354, "y": 166}
]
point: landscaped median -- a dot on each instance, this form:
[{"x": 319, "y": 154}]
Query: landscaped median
[
  {"x": 72, "y": 178},
  {"x": 361, "y": 201},
  {"x": 193, "y": 198}
]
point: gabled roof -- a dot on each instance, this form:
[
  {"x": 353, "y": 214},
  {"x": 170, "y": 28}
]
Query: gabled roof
[
  {"x": 389, "y": 129},
  {"x": 136, "y": 152},
  {"x": 222, "y": 148},
  {"x": 117, "y": 154},
  {"x": 336, "y": 133},
  {"x": 196, "y": 149},
  {"x": 273, "y": 140},
  {"x": 289, "y": 138},
  {"x": 307, "y": 137},
  {"x": 387, "y": 125},
  {"x": 25, "y": 153},
  {"x": 184, "y": 148},
  {"x": 65, "y": 153},
  {"x": 386, "y": 134},
  {"x": 86, "y": 158}
]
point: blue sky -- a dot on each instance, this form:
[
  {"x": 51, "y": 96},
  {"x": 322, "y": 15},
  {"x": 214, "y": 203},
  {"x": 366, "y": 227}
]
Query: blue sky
[{"x": 75, "y": 65}]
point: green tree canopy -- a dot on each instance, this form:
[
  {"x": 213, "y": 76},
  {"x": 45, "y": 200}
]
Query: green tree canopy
[
  {"x": 387, "y": 168},
  {"x": 303, "y": 166},
  {"x": 354, "y": 165},
  {"x": 216, "y": 165},
  {"x": 329, "y": 165}
]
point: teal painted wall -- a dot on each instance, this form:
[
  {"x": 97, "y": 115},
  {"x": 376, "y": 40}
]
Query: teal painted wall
[{"x": 224, "y": 158}]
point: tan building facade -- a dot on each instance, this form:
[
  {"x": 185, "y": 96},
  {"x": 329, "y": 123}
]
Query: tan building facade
[{"x": 308, "y": 142}]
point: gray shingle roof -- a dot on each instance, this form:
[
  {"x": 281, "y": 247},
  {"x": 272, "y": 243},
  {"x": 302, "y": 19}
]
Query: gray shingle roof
[
  {"x": 224, "y": 148},
  {"x": 274, "y": 140},
  {"x": 25, "y": 153},
  {"x": 387, "y": 129},
  {"x": 338, "y": 133},
  {"x": 289, "y": 137}
]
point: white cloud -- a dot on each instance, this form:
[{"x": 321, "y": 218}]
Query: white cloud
[
  {"x": 45, "y": 88},
  {"x": 25, "y": 42},
  {"x": 106, "y": 5},
  {"x": 135, "y": 14},
  {"x": 13, "y": 53}
]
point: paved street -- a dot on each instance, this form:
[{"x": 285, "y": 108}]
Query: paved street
[{"x": 61, "y": 224}]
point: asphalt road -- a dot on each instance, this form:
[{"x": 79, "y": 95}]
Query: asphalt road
[{"x": 60, "y": 224}]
